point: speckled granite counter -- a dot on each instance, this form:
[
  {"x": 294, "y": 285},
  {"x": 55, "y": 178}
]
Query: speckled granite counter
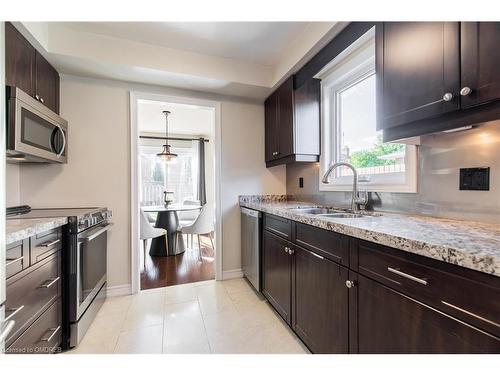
[
  {"x": 468, "y": 244},
  {"x": 19, "y": 229}
]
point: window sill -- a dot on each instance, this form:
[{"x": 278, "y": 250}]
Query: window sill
[{"x": 371, "y": 188}]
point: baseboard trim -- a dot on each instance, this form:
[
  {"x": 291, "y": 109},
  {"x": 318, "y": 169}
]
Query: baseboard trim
[
  {"x": 119, "y": 290},
  {"x": 232, "y": 274}
]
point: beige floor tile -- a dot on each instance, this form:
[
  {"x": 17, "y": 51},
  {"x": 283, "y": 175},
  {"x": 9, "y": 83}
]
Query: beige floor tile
[
  {"x": 246, "y": 298},
  {"x": 179, "y": 295},
  {"x": 216, "y": 304},
  {"x": 223, "y": 322},
  {"x": 236, "y": 285},
  {"x": 116, "y": 305},
  {"x": 146, "y": 340},
  {"x": 145, "y": 310},
  {"x": 184, "y": 330},
  {"x": 258, "y": 314}
]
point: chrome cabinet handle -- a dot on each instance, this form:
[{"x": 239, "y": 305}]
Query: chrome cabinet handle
[
  {"x": 314, "y": 254},
  {"x": 47, "y": 284},
  {"x": 407, "y": 276},
  {"x": 471, "y": 314},
  {"x": 41, "y": 99},
  {"x": 287, "y": 250},
  {"x": 14, "y": 312},
  {"x": 37, "y": 97},
  {"x": 48, "y": 244},
  {"x": 54, "y": 331},
  {"x": 465, "y": 91},
  {"x": 447, "y": 97},
  {"x": 13, "y": 260},
  {"x": 350, "y": 284},
  {"x": 291, "y": 251}
]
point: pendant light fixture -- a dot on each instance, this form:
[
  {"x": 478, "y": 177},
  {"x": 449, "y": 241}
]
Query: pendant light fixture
[{"x": 165, "y": 154}]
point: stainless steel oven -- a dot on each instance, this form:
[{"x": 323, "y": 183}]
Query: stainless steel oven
[{"x": 34, "y": 132}]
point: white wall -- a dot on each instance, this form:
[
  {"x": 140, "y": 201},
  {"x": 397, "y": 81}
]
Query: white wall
[
  {"x": 12, "y": 187},
  {"x": 98, "y": 169}
]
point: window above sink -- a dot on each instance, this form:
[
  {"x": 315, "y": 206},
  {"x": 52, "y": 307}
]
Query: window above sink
[{"x": 348, "y": 90}]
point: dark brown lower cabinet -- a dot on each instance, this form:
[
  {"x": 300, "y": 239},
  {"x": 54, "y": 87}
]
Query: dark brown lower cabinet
[
  {"x": 277, "y": 274},
  {"x": 390, "y": 322},
  {"x": 320, "y": 313}
]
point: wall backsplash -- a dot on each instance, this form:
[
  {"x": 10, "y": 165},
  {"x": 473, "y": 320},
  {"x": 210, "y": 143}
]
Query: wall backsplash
[{"x": 440, "y": 158}]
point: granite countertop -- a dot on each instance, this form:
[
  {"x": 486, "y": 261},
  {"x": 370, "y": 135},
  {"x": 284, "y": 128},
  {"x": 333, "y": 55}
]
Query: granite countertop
[
  {"x": 468, "y": 244},
  {"x": 19, "y": 229}
]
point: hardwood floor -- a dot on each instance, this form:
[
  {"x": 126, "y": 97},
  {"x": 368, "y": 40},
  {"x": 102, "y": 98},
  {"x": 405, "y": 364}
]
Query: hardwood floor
[{"x": 180, "y": 269}]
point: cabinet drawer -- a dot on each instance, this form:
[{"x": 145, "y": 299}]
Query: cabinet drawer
[
  {"x": 29, "y": 293},
  {"x": 468, "y": 295},
  {"x": 331, "y": 245},
  {"x": 45, "y": 244},
  {"x": 17, "y": 257},
  {"x": 43, "y": 336},
  {"x": 278, "y": 225}
]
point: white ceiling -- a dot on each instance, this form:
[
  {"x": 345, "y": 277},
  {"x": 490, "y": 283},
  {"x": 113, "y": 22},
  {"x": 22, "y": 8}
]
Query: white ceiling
[
  {"x": 257, "y": 42},
  {"x": 184, "y": 119}
]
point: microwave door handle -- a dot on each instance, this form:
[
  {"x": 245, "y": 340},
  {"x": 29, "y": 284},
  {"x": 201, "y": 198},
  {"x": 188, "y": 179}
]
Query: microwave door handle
[{"x": 64, "y": 140}]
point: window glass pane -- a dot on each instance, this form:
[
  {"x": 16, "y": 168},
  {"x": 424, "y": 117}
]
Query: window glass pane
[
  {"x": 157, "y": 176},
  {"x": 360, "y": 143}
]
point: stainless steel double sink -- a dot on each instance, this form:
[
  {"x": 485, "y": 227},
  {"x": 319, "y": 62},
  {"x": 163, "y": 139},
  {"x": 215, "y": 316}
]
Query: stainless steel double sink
[{"x": 328, "y": 212}]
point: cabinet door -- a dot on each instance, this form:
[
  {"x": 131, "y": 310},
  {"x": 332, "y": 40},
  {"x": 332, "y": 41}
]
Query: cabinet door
[
  {"x": 480, "y": 57},
  {"x": 417, "y": 63},
  {"x": 271, "y": 124},
  {"x": 47, "y": 83},
  {"x": 285, "y": 116},
  {"x": 320, "y": 303},
  {"x": 19, "y": 61},
  {"x": 277, "y": 276},
  {"x": 390, "y": 322}
]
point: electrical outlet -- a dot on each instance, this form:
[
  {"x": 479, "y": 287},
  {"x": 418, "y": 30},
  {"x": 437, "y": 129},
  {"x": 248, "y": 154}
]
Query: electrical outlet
[{"x": 475, "y": 178}]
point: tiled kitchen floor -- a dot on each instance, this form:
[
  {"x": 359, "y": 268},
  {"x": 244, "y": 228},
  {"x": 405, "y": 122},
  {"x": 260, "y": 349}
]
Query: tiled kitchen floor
[{"x": 205, "y": 317}]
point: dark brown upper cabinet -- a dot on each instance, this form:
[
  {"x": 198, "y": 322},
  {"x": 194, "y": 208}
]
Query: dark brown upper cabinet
[
  {"x": 19, "y": 61},
  {"x": 28, "y": 70},
  {"x": 292, "y": 123},
  {"x": 435, "y": 76},
  {"x": 417, "y": 70},
  {"x": 480, "y": 59}
]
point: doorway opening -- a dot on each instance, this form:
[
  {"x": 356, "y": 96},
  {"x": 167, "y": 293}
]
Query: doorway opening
[{"x": 175, "y": 220}]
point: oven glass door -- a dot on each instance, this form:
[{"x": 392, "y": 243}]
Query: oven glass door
[{"x": 91, "y": 263}]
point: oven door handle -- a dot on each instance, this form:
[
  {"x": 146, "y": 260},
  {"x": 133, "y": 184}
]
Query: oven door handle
[{"x": 95, "y": 234}]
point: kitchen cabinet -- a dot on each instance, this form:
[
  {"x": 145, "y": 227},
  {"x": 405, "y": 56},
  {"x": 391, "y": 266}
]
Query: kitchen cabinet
[
  {"x": 417, "y": 71},
  {"x": 390, "y": 322},
  {"x": 20, "y": 58},
  {"x": 46, "y": 83},
  {"x": 480, "y": 76},
  {"x": 345, "y": 295},
  {"x": 292, "y": 123},
  {"x": 435, "y": 76},
  {"x": 27, "y": 69},
  {"x": 277, "y": 274},
  {"x": 320, "y": 307}
]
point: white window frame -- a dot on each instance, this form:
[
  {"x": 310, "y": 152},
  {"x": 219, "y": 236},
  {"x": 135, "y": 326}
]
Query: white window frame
[{"x": 352, "y": 66}]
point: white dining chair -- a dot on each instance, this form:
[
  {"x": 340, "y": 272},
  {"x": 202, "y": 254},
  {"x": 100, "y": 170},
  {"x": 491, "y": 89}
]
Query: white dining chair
[
  {"x": 188, "y": 217},
  {"x": 204, "y": 224},
  {"x": 149, "y": 232}
]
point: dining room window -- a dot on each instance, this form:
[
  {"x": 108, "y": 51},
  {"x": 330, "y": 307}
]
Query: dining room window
[{"x": 180, "y": 177}]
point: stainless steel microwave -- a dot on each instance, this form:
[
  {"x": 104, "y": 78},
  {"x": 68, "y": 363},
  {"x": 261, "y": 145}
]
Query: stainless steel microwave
[{"x": 34, "y": 132}]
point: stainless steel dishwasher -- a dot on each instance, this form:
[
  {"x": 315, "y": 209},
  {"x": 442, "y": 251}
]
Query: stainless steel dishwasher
[{"x": 250, "y": 245}]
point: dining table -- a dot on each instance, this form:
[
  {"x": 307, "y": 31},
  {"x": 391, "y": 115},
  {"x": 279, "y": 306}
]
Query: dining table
[{"x": 168, "y": 219}]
